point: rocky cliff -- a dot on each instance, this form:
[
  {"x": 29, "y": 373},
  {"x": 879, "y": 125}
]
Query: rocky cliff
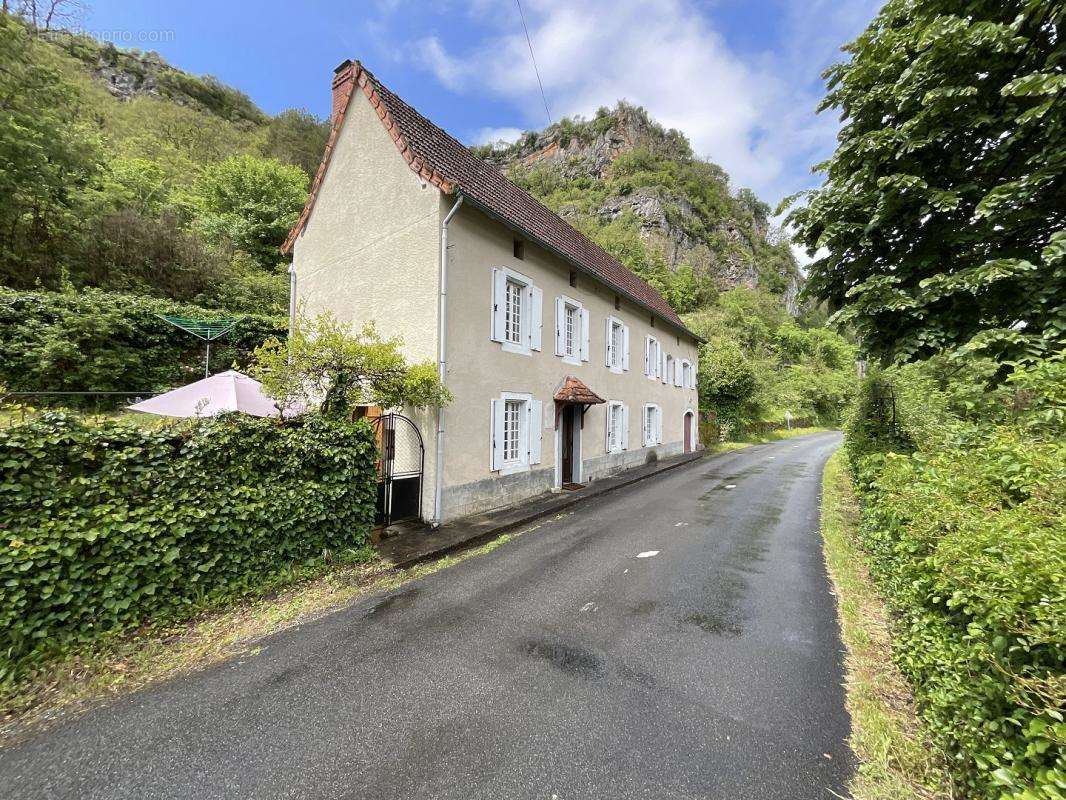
[{"x": 622, "y": 173}]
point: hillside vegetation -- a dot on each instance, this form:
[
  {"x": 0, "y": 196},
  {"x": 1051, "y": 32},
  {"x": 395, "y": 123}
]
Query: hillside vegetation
[{"x": 123, "y": 173}]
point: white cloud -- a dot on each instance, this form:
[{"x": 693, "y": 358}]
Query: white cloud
[
  {"x": 754, "y": 115},
  {"x": 449, "y": 71},
  {"x": 494, "y": 135}
]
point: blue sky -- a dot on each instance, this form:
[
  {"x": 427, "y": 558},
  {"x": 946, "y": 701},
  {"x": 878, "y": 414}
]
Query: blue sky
[{"x": 739, "y": 77}]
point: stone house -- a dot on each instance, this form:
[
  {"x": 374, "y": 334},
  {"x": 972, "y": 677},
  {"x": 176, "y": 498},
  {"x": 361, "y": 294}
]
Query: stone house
[{"x": 563, "y": 364}]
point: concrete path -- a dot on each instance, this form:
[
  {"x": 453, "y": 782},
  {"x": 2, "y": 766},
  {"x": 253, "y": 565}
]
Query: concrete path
[{"x": 675, "y": 639}]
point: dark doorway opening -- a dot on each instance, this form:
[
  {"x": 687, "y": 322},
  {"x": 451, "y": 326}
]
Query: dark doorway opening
[{"x": 567, "y": 436}]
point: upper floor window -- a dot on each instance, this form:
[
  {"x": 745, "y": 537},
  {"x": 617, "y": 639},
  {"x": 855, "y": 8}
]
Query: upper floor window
[
  {"x": 617, "y": 336},
  {"x": 571, "y": 330},
  {"x": 653, "y": 356},
  {"x": 516, "y": 311},
  {"x": 512, "y": 319},
  {"x": 668, "y": 370},
  {"x": 687, "y": 379}
]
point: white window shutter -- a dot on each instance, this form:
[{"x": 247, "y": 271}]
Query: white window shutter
[
  {"x": 536, "y": 317},
  {"x": 625, "y": 427},
  {"x": 536, "y": 430},
  {"x": 658, "y": 425},
  {"x": 497, "y": 434},
  {"x": 679, "y": 373},
  {"x": 610, "y": 343},
  {"x": 667, "y": 364},
  {"x": 499, "y": 297},
  {"x": 647, "y": 355},
  {"x": 585, "y": 321},
  {"x": 560, "y": 326},
  {"x": 625, "y": 347},
  {"x": 662, "y": 363}
]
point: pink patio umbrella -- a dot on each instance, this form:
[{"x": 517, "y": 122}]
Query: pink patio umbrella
[{"x": 226, "y": 391}]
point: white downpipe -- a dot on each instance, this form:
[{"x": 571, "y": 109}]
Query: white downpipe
[
  {"x": 442, "y": 358},
  {"x": 292, "y": 300}
]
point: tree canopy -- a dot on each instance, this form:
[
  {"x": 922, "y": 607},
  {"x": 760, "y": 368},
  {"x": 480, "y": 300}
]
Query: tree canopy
[{"x": 943, "y": 214}]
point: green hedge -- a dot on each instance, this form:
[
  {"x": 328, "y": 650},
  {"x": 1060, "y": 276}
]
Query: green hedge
[
  {"x": 964, "y": 525},
  {"x": 106, "y": 527},
  {"x": 101, "y": 341}
]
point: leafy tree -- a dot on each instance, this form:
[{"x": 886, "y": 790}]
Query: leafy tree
[
  {"x": 296, "y": 137},
  {"x": 944, "y": 209},
  {"x": 137, "y": 184},
  {"x": 250, "y": 203},
  {"x": 47, "y": 156},
  {"x": 326, "y": 364}
]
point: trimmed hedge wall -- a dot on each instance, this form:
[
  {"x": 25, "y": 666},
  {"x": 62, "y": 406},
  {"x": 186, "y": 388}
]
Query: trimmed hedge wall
[
  {"x": 106, "y": 527},
  {"x": 102, "y": 341},
  {"x": 965, "y": 527}
]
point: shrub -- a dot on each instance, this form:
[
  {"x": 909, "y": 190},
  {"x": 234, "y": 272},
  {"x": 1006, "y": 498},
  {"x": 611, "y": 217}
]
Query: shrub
[
  {"x": 963, "y": 521},
  {"x": 99, "y": 341},
  {"x": 106, "y": 527}
]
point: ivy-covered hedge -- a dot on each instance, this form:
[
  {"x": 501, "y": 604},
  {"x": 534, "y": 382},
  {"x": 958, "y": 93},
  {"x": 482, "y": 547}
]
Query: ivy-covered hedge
[
  {"x": 965, "y": 527},
  {"x": 100, "y": 341},
  {"x": 106, "y": 527}
]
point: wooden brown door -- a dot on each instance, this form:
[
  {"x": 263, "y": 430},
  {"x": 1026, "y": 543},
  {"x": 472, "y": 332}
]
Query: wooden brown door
[
  {"x": 688, "y": 433},
  {"x": 567, "y": 437}
]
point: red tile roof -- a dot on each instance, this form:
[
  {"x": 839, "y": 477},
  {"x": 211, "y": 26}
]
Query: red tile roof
[
  {"x": 574, "y": 391},
  {"x": 450, "y": 166}
]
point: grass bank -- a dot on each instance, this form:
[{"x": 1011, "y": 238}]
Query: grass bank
[{"x": 896, "y": 762}]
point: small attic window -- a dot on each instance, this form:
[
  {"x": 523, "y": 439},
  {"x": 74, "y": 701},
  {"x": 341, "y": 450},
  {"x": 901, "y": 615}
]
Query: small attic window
[
  {"x": 573, "y": 278},
  {"x": 519, "y": 249},
  {"x": 652, "y": 321},
  {"x": 617, "y": 303}
]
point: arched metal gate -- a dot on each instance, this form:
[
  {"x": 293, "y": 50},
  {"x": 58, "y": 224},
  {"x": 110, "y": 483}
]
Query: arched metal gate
[{"x": 401, "y": 463}]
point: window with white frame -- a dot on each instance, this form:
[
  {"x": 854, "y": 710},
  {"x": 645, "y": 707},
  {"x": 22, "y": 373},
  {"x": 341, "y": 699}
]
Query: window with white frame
[
  {"x": 653, "y": 425},
  {"x": 668, "y": 371},
  {"x": 688, "y": 377},
  {"x": 512, "y": 313},
  {"x": 516, "y": 432},
  {"x": 512, "y": 410},
  {"x": 617, "y": 438},
  {"x": 653, "y": 367},
  {"x": 516, "y": 311},
  {"x": 571, "y": 330},
  {"x": 617, "y": 338}
]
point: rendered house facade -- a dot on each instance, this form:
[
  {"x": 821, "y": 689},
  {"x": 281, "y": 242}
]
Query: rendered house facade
[{"x": 564, "y": 365}]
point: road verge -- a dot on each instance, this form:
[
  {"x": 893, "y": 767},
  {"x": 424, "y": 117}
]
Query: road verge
[{"x": 896, "y": 762}]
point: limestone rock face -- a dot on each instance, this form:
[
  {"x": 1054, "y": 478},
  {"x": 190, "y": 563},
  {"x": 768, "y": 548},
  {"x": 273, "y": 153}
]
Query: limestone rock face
[{"x": 725, "y": 247}]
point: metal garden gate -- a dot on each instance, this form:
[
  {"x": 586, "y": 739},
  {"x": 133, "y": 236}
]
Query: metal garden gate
[{"x": 401, "y": 463}]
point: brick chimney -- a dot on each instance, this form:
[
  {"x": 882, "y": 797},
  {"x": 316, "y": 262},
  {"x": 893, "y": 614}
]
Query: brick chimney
[{"x": 343, "y": 77}]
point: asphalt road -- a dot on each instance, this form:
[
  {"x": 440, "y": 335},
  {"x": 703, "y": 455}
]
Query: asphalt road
[{"x": 561, "y": 665}]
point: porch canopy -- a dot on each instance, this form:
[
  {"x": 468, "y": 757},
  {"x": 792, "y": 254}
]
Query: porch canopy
[
  {"x": 226, "y": 391},
  {"x": 575, "y": 393}
]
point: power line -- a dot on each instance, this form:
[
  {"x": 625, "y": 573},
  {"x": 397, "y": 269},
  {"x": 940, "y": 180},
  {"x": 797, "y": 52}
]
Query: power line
[{"x": 533, "y": 58}]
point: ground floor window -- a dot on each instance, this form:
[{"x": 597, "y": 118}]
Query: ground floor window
[
  {"x": 516, "y": 431},
  {"x": 653, "y": 425},
  {"x": 511, "y": 413},
  {"x": 617, "y": 427}
]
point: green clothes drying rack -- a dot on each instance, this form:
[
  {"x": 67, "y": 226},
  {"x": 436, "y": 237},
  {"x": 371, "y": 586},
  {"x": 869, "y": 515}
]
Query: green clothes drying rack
[{"x": 205, "y": 330}]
